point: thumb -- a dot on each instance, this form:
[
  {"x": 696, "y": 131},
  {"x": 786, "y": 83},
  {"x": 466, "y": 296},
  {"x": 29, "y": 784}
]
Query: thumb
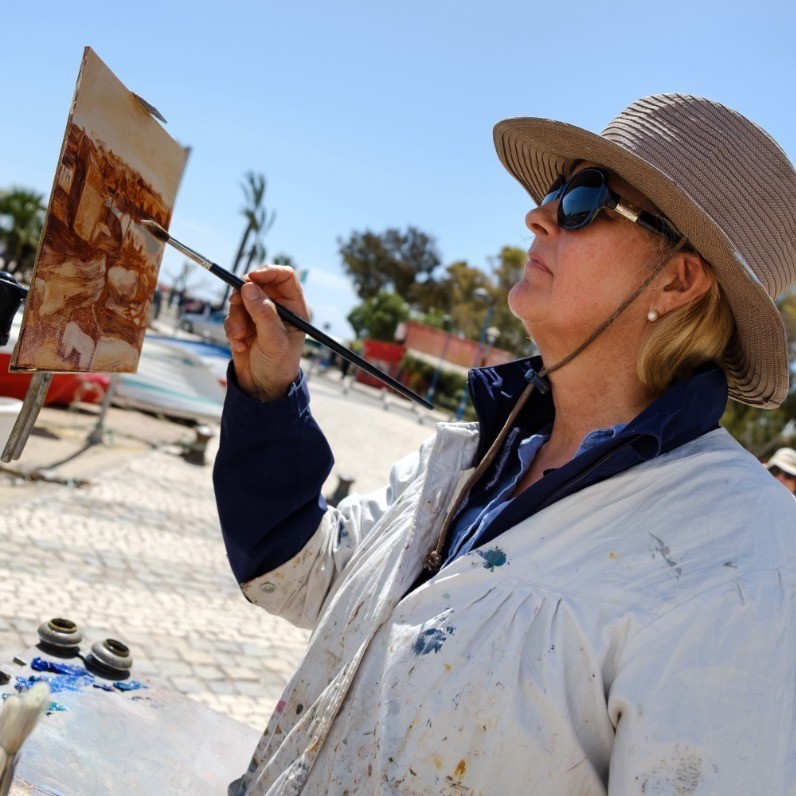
[{"x": 262, "y": 311}]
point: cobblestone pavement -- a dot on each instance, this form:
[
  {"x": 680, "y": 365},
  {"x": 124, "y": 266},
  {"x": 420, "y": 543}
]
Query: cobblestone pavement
[{"x": 137, "y": 555}]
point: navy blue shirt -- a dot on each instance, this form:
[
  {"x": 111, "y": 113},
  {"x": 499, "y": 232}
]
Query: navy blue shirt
[
  {"x": 273, "y": 458},
  {"x": 473, "y": 522}
]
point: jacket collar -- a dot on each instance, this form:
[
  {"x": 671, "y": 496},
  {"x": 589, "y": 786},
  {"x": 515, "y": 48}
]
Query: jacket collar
[{"x": 686, "y": 410}]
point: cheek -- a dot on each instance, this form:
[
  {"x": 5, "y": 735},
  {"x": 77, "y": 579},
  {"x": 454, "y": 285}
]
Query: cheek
[{"x": 609, "y": 273}]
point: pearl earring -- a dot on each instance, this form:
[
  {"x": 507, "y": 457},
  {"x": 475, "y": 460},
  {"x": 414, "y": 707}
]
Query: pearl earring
[{"x": 652, "y": 316}]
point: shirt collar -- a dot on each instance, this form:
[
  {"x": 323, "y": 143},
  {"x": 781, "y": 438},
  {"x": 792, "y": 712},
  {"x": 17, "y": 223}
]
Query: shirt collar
[{"x": 684, "y": 411}]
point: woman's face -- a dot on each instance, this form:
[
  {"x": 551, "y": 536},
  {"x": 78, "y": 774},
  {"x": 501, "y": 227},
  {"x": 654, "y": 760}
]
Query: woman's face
[{"x": 575, "y": 279}]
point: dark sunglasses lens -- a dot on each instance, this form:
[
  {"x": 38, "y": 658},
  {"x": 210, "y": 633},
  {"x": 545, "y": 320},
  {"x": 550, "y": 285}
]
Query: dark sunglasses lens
[
  {"x": 552, "y": 192},
  {"x": 581, "y": 200}
]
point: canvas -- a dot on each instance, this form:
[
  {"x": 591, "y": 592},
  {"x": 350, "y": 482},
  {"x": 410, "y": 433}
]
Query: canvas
[{"x": 96, "y": 269}]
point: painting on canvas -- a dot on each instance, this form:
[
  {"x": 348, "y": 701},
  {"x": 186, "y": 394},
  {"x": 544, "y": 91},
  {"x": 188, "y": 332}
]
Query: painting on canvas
[{"x": 96, "y": 269}]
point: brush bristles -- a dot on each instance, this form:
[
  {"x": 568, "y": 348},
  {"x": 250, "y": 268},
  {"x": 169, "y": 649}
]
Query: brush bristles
[
  {"x": 19, "y": 716},
  {"x": 156, "y": 229}
]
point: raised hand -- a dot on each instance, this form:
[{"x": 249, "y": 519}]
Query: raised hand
[{"x": 265, "y": 350}]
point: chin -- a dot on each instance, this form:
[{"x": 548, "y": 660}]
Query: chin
[{"x": 522, "y": 301}]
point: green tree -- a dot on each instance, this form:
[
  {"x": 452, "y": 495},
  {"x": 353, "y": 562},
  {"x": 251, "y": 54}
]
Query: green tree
[
  {"x": 258, "y": 221},
  {"x": 787, "y": 308},
  {"x": 408, "y": 264},
  {"x": 455, "y": 295},
  {"x": 393, "y": 260},
  {"x": 466, "y": 311},
  {"x": 377, "y": 317},
  {"x": 21, "y": 221},
  {"x": 762, "y": 431}
]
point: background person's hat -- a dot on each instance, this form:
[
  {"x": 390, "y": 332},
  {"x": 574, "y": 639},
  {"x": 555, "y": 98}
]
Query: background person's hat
[
  {"x": 721, "y": 180},
  {"x": 785, "y": 459}
]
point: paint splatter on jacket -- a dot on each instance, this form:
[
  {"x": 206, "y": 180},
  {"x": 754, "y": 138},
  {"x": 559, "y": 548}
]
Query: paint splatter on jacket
[{"x": 636, "y": 636}]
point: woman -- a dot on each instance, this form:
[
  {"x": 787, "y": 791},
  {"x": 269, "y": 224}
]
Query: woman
[{"x": 605, "y": 603}]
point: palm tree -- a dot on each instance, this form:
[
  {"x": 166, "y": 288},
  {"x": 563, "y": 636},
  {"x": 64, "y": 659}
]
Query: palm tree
[
  {"x": 21, "y": 221},
  {"x": 258, "y": 222}
]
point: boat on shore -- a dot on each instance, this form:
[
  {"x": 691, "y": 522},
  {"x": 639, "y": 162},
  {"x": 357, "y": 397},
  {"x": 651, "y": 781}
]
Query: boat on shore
[
  {"x": 173, "y": 381},
  {"x": 175, "y": 377},
  {"x": 215, "y": 357},
  {"x": 65, "y": 388}
]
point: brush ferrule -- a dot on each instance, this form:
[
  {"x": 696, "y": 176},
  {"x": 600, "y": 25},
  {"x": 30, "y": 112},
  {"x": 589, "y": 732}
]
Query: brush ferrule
[{"x": 189, "y": 252}]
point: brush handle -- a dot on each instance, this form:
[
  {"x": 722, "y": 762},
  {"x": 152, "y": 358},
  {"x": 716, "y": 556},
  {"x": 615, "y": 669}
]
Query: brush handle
[{"x": 323, "y": 338}]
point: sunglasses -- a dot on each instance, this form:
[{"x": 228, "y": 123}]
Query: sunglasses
[
  {"x": 775, "y": 471},
  {"x": 584, "y": 194}
]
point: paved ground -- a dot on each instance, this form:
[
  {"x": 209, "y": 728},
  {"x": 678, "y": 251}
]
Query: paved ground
[{"x": 137, "y": 555}]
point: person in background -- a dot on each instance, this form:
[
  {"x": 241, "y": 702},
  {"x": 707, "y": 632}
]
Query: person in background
[
  {"x": 782, "y": 465},
  {"x": 592, "y": 589},
  {"x": 157, "y": 302}
]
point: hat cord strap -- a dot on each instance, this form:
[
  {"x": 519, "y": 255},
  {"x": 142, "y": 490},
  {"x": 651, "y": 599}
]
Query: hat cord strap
[{"x": 433, "y": 560}]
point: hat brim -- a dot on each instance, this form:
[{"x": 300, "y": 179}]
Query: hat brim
[
  {"x": 784, "y": 467},
  {"x": 535, "y": 151},
  {"x": 784, "y": 459}
]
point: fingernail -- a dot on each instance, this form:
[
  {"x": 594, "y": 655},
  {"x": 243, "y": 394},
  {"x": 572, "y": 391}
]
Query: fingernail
[{"x": 250, "y": 291}]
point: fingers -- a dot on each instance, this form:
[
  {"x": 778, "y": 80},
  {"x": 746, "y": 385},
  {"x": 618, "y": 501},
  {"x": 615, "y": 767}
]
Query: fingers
[
  {"x": 253, "y": 316},
  {"x": 281, "y": 283},
  {"x": 266, "y": 353},
  {"x": 281, "y": 276},
  {"x": 239, "y": 326},
  {"x": 265, "y": 324},
  {"x": 261, "y": 311}
]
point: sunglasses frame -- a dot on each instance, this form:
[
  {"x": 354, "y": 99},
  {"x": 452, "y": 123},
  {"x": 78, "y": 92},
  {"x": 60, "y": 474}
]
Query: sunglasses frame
[{"x": 606, "y": 198}]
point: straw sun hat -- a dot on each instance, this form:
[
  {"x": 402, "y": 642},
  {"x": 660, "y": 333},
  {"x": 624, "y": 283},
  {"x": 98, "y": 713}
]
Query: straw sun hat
[{"x": 721, "y": 180}]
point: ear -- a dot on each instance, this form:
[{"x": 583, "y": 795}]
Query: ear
[{"x": 684, "y": 280}]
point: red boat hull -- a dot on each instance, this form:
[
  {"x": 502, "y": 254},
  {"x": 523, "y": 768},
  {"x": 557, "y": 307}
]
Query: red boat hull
[{"x": 64, "y": 389}]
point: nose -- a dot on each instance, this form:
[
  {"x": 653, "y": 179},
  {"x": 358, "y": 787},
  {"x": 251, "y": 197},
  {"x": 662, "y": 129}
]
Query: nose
[{"x": 541, "y": 220}]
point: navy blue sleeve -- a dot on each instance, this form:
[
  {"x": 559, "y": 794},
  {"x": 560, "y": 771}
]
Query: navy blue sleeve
[{"x": 272, "y": 462}]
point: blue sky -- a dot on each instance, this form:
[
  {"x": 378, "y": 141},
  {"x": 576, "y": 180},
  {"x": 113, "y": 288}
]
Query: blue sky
[{"x": 366, "y": 115}]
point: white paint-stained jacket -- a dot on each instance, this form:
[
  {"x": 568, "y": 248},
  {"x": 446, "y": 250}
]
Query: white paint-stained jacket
[{"x": 638, "y": 637}]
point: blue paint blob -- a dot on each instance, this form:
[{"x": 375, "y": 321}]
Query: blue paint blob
[
  {"x": 430, "y": 640},
  {"x": 129, "y": 685},
  {"x": 58, "y": 683},
  {"x": 41, "y": 665},
  {"x": 494, "y": 557}
]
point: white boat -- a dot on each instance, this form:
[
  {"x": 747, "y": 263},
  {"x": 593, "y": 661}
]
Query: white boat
[
  {"x": 175, "y": 377},
  {"x": 173, "y": 381},
  {"x": 214, "y": 356}
]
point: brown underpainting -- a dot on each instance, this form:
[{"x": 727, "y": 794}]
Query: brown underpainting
[{"x": 96, "y": 269}]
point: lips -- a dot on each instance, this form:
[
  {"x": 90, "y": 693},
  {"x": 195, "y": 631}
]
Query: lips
[{"x": 536, "y": 263}]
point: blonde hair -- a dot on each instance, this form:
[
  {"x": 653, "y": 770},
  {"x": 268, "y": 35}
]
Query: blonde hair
[{"x": 686, "y": 338}]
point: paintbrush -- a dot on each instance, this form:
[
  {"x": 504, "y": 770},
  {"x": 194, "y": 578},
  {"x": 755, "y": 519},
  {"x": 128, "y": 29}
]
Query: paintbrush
[
  {"x": 17, "y": 720},
  {"x": 286, "y": 315}
]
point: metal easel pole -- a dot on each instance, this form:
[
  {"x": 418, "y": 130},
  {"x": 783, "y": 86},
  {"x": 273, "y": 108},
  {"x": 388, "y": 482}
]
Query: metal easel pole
[{"x": 31, "y": 406}]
